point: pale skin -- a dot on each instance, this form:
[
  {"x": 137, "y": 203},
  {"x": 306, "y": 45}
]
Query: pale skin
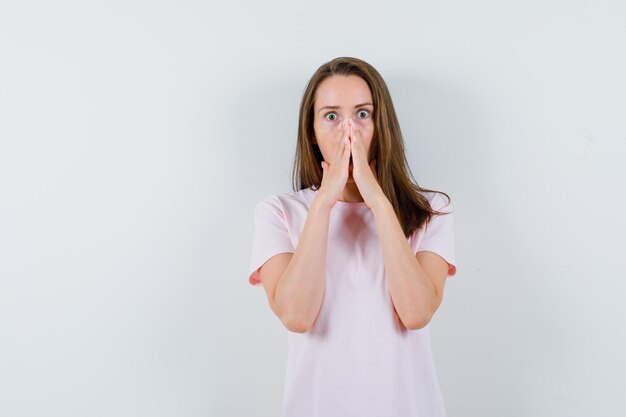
[{"x": 294, "y": 289}]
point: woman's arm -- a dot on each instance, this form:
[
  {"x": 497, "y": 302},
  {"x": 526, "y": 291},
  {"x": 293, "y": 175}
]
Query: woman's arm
[
  {"x": 300, "y": 289},
  {"x": 413, "y": 292}
]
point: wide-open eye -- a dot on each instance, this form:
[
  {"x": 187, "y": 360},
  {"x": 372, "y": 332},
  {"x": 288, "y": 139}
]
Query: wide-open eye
[
  {"x": 364, "y": 111},
  {"x": 331, "y": 114}
]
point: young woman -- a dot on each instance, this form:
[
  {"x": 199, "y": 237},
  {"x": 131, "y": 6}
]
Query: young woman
[{"x": 354, "y": 262}]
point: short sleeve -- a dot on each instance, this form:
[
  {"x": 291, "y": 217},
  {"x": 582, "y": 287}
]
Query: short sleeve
[
  {"x": 438, "y": 234},
  {"x": 270, "y": 237}
]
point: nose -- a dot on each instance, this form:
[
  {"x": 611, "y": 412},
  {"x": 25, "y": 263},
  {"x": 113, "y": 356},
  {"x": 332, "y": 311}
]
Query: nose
[{"x": 347, "y": 121}]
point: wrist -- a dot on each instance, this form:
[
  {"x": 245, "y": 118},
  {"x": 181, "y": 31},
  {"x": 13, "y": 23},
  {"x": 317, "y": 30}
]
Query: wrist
[
  {"x": 381, "y": 203},
  {"x": 320, "y": 202}
]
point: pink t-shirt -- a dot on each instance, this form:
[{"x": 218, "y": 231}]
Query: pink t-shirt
[{"x": 358, "y": 359}]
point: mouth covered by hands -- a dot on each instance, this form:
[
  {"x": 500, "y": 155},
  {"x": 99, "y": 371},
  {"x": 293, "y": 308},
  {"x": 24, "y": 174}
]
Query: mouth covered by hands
[{"x": 363, "y": 172}]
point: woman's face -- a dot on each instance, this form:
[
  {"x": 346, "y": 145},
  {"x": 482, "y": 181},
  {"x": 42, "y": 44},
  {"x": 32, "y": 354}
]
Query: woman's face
[{"x": 338, "y": 98}]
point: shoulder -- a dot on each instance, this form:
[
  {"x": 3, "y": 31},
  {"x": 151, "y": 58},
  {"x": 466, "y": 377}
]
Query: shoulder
[
  {"x": 287, "y": 202},
  {"x": 438, "y": 201}
]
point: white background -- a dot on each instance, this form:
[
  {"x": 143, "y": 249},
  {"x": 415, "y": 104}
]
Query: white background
[{"x": 136, "y": 138}]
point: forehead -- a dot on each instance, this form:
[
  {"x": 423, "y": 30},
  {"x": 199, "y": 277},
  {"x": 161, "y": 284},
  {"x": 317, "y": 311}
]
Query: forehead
[{"x": 343, "y": 91}]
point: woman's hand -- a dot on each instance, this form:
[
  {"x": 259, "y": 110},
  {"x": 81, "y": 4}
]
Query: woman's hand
[
  {"x": 364, "y": 173},
  {"x": 335, "y": 174}
]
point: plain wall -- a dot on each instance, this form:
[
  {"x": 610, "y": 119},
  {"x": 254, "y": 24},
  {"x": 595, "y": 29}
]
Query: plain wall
[{"x": 137, "y": 136}]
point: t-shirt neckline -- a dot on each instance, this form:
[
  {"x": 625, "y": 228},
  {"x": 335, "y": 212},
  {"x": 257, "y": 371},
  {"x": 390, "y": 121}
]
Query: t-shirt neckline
[{"x": 343, "y": 204}]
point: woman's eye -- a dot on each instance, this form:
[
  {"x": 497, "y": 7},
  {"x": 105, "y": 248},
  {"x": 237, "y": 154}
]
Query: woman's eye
[
  {"x": 331, "y": 114},
  {"x": 364, "y": 111}
]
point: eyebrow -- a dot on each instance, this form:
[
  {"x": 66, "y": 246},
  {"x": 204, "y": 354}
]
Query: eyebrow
[{"x": 337, "y": 107}]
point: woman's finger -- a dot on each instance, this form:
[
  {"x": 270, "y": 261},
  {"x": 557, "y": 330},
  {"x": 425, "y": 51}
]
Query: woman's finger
[
  {"x": 339, "y": 147},
  {"x": 353, "y": 142},
  {"x": 346, "y": 151}
]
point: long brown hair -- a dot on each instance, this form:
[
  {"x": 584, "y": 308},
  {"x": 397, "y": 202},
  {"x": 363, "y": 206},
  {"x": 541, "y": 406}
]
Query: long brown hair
[{"x": 392, "y": 169}]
